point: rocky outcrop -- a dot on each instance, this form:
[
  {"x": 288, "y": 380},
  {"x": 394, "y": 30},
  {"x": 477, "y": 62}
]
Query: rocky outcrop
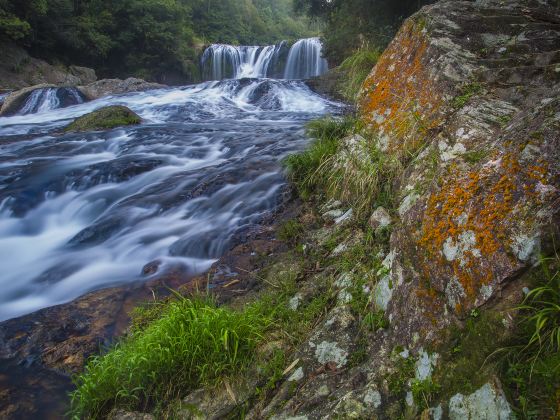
[
  {"x": 472, "y": 90},
  {"x": 466, "y": 100},
  {"x": 105, "y": 118},
  {"x": 107, "y": 87},
  {"x": 19, "y": 70}
]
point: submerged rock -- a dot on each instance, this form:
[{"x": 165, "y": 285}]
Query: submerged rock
[{"x": 104, "y": 119}]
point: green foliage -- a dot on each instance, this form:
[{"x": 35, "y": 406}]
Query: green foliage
[
  {"x": 403, "y": 371},
  {"x": 355, "y": 70},
  {"x": 155, "y": 39},
  {"x": 531, "y": 365},
  {"x": 193, "y": 343},
  {"x": 424, "y": 392},
  {"x": 358, "y": 24},
  {"x": 302, "y": 167},
  {"x": 467, "y": 92},
  {"x": 290, "y": 231}
]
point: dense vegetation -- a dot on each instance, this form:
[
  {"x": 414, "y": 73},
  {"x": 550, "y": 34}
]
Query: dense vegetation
[
  {"x": 157, "y": 39},
  {"x": 358, "y": 24}
]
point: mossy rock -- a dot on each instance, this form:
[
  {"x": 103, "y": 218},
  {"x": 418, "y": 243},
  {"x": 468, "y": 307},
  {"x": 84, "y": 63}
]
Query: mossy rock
[{"x": 104, "y": 119}]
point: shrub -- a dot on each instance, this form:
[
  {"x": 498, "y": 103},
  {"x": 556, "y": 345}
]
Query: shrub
[
  {"x": 356, "y": 69},
  {"x": 193, "y": 344}
]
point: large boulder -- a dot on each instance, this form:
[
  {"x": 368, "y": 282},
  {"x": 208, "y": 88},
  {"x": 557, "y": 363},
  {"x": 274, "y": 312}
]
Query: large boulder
[
  {"x": 472, "y": 89},
  {"x": 15, "y": 100},
  {"x": 105, "y": 118},
  {"x": 107, "y": 87}
]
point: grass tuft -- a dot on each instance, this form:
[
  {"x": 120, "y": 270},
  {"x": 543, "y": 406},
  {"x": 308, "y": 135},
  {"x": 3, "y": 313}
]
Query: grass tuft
[
  {"x": 356, "y": 69},
  {"x": 192, "y": 344}
]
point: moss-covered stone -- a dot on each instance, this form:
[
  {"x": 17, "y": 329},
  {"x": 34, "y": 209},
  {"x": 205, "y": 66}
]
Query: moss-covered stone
[{"x": 104, "y": 119}]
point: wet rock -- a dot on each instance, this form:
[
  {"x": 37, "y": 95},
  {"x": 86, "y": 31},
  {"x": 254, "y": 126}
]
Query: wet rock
[
  {"x": 15, "y": 100},
  {"x": 487, "y": 403},
  {"x": 104, "y": 119},
  {"x": 107, "y": 87}
]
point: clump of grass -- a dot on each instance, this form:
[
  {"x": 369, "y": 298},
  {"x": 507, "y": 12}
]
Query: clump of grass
[
  {"x": 290, "y": 231},
  {"x": 326, "y": 133},
  {"x": 193, "y": 343},
  {"x": 356, "y": 68},
  {"x": 531, "y": 365},
  {"x": 360, "y": 174}
]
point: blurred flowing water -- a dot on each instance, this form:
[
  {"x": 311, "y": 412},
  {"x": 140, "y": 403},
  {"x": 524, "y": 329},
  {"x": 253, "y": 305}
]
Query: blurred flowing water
[{"x": 85, "y": 211}]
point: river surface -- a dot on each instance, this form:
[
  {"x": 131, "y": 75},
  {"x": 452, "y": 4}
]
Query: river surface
[{"x": 85, "y": 211}]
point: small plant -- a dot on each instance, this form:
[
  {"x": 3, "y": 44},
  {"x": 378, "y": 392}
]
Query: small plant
[
  {"x": 531, "y": 365},
  {"x": 403, "y": 372},
  {"x": 290, "y": 231},
  {"x": 467, "y": 92},
  {"x": 326, "y": 133},
  {"x": 424, "y": 392}
]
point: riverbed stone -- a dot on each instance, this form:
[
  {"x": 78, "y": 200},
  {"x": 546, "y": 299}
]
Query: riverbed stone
[{"x": 105, "y": 118}]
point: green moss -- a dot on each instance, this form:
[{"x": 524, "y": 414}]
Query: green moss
[
  {"x": 467, "y": 92},
  {"x": 104, "y": 119},
  {"x": 403, "y": 371},
  {"x": 475, "y": 156},
  {"x": 465, "y": 365}
]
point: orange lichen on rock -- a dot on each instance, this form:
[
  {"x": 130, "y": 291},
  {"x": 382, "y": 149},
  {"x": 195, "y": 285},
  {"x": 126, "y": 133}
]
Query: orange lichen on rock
[
  {"x": 399, "y": 99},
  {"x": 471, "y": 218}
]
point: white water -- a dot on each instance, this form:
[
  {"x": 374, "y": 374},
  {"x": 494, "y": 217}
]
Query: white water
[
  {"x": 80, "y": 212},
  {"x": 302, "y": 61},
  {"x": 48, "y": 99},
  {"x": 305, "y": 60}
]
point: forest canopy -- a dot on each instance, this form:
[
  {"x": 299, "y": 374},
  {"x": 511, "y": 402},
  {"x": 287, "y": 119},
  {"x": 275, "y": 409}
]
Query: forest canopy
[
  {"x": 148, "y": 38},
  {"x": 358, "y": 24}
]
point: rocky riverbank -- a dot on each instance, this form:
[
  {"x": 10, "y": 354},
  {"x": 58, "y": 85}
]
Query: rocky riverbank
[{"x": 448, "y": 192}]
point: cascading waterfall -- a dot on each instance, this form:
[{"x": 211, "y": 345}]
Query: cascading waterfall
[
  {"x": 47, "y": 99},
  {"x": 303, "y": 60},
  {"x": 85, "y": 211},
  {"x": 221, "y": 61}
]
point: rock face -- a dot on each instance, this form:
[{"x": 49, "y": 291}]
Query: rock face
[
  {"x": 472, "y": 89},
  {"x": 19, "y": 70},
  {"x": 105, "y": 118},
  {"x": 107, "y": 87}
]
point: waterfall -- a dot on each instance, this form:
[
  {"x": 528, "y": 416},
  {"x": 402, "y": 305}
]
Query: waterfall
[
  {"x": 301, "y": 61},
  {"x": 47, "y": 99},
  {"x": 221, "y": 61},
  {"x": 305, "y": 60}
]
